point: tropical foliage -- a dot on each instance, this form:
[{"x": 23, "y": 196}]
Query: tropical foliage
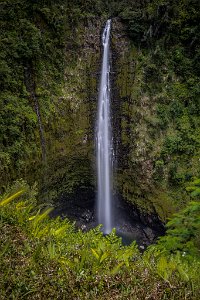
[
  {"x": 47, "y": 258},
  {"x": 49, "y": 69}
]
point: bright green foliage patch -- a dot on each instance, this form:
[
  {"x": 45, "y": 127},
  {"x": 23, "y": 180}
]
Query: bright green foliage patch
[{"x": 43, "y": 258}]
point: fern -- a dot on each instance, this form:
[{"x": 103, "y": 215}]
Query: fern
[{"x": 9, "y": 199}]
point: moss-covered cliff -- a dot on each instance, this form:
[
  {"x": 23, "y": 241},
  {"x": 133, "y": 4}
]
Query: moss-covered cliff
[
  {"x": 156, "y": 75},
  {"x": 49, "y": 76},
  {"x": 49, "y": 69}
]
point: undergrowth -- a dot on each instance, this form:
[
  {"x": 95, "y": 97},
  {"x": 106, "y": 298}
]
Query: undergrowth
[{"x": 44, "y": 258}]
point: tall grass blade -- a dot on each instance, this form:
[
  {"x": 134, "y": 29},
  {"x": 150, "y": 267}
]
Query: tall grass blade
[{"x": 9, "y": 199}]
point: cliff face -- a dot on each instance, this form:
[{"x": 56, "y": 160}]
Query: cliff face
[
  {"x": 156, "y": 115},
  {"x": 50, "y": 68},
  {"x": 48, "y": 100},
  {"x": 70, "y": 133}
]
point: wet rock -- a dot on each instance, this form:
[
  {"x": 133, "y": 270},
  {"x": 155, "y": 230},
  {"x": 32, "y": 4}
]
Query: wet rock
[
  {"x": 130, "y": 224},
  {"x": 87, "y": 216}
]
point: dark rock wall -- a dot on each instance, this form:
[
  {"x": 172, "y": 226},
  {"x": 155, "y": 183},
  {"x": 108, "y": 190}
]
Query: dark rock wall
[
  {"x": 50, "y": 76},
  {"x": 71, "y": 161},
  {"x": 76, "y": 186}
]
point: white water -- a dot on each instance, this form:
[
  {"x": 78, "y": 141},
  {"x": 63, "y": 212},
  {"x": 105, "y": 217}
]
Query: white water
[{"x": 104, "y": 139}]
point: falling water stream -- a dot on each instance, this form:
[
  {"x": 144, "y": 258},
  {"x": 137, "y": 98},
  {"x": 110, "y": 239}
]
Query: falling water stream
[
  {"x": 104, "y": 139},
  {"x": 128, "y": 223}
]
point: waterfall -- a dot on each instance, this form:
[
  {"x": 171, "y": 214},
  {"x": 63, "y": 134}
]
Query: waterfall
[{"x": 104, "y": 139}]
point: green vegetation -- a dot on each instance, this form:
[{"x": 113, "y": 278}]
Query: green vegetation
[
  {"x": 43, "y": 258},
  {"x": 157, "y": 79},
  {"x": 50, "y": 55},
  {"x": 46, "y": 78}
]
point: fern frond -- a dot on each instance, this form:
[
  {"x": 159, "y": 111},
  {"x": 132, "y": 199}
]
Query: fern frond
[{"x": 9, "y": 199}]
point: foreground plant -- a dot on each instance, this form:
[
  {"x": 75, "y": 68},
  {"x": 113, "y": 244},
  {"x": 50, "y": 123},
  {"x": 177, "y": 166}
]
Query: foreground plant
[{"x": 43, "y": 258}]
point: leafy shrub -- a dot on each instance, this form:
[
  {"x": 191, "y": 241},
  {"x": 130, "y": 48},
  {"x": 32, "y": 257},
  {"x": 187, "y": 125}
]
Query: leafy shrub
[{"x": 48, "y": 258}]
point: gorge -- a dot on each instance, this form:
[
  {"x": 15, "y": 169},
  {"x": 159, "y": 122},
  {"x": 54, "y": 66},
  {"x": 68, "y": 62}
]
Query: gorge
[
  {"x": 99, "y": 120},
  {"x": 50, "y": 75}
]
